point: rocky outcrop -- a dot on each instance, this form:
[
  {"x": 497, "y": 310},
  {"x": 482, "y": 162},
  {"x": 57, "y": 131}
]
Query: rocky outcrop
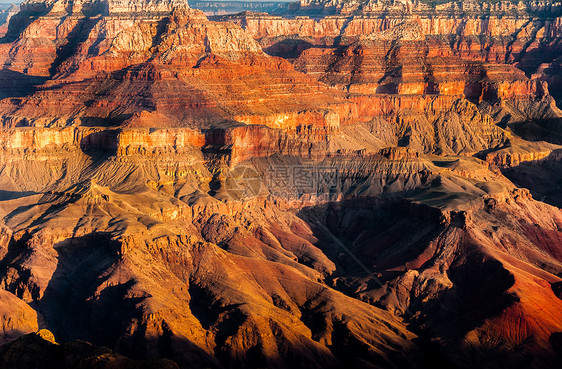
[
  {"x": 5, "y": 15},
  {"x": 40, "y": 350},
  {"x": 542, "y": 177},
  {"x": 159, "y": 70},
  {"x": 16, "y": 316},
  {"x": 84, "y": 202},
  {"x": 519, "y": 153},
  {"x": 233, "y": 7}
]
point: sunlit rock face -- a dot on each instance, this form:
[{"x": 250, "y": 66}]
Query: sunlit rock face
[
  {"x": 154, "y": 68},
  {"x": 413, "y": 48},
  {"x": 348, "y": 185},
  {"x": 502, "y": 56},
  {"x": 105, "y": 7}
]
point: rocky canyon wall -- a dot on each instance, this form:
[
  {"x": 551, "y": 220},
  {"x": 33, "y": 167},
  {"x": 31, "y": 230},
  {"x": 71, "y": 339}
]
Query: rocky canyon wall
[{"x": 327, "y": 188}]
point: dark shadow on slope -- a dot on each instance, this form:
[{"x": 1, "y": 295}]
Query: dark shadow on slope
[
  {"x": 79, "y": 34},
  {"x": 557, "y": 289},
  {"x": 12, "y": 195},
  {"x": 542, "y": 177},
  {"x": 72, "y": 307},
  {"x": 78, "y": 305},
  {"x": 385, "y": 243},
  {"x": 480, "y": 288},
  {"x": 101, "y": 144},
  {"x": 478, "y": 85},
  {"x": 431, "y": 87},
  {"x": 549, "y": 130},
  {"x": 289, "y": 48},
  {"x": 17, "y": 250},
  {"x": 224, "y": 320},
  {"x": 202, "y": 306},
  {"x": 556, "y": 342},
  {"x": 530, "y": 59},
  {"x": 392, "y": 70},
  {"x": 370, "y": 229},
  {"x": 16, "y": 85},
  {"x": 19, "y": 22},
  {"x": 142, "y": 345},
  {"x": 32, "y": 351},
  {"x": 161, "y": 27}
]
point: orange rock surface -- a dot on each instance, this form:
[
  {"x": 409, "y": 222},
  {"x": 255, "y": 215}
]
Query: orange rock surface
[{"x": 329, "y": 191}]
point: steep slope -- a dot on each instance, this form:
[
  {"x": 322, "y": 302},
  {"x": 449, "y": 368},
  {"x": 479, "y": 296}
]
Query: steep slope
[
  {"x": 259, "y": 281},
  {"x": 215, "y": 292}
]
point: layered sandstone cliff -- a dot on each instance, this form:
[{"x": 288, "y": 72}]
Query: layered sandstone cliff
[
  {"x": 437, "y": 52},
  {"x": 177, "y": 69},
  {"x": 93, "y": 7},
  {"x": 182, "y": 70},
  {"x": 491, "y": 55}
]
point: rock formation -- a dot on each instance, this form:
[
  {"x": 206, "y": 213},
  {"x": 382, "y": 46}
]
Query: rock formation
[
  {"x": 280, "y": 191},
  {"x": 5, "y": 16},
  {"x": 210, "y": 7},
  {"x": 40, "y": 350},
  {"x": 497, "y": 55}
]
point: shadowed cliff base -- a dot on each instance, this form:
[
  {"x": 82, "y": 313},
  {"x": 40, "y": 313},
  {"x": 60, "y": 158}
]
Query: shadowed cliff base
[
  {"x": 41, "y": 351},
  {"x": 15, "y": 85},
  {"x": 542, "y": 177}
]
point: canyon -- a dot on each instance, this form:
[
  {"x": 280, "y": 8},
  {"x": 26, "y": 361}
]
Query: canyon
[
  {"x": 337, "y": 184},
  {"x": 233, "y": 7}
]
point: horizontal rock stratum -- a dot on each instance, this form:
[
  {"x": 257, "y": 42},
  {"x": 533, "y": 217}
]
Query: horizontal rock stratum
[{"x": 343, "y": 184}]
